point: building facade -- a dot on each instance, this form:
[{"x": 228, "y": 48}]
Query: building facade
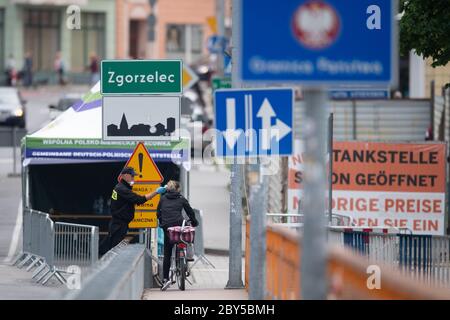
[
  {"x": 417, "y": 76},
  {"x": 109, "y": 29},
  {"x": 41, "y": 28},
  {"x": 180, "y": 28},
  {"x": 132, "y": 29}
]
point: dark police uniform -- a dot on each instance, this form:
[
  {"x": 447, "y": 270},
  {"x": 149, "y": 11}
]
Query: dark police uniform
[{"x": 123, "y": 200}]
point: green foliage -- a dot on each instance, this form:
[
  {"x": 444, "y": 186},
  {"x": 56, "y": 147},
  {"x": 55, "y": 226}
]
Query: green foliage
[{"x": 425, "y": 27}]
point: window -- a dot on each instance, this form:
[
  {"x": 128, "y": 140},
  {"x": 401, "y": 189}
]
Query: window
[
  {"x": 184, "y": 41},
  {"x": 90, "y": 39},
  {"x": 42, "y": 36},
  {"x": 175, "y": 38}
]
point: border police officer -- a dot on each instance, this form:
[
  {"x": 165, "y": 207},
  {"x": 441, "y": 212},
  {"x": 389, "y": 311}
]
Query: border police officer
[{"x": 123, "y": 200}]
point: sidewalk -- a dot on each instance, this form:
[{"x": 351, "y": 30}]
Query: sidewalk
[
  {"x": 208, "y": 284},
  {"x": 210, "y": 193},
  {"x": 16, "y": 284}
]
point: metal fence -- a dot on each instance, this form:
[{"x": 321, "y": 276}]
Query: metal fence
[
  {"x": 421, "y": 257},
  {"x": 294, "y": 220},
  {"x": 118, "y": 275},
  {"x": 11, "y": 137},
  {"x": 75, "y": 244},
  {"x": 346, "y": 270},
  {"x": 50, "y": 247},
  {"x": 387, "y": 120}
]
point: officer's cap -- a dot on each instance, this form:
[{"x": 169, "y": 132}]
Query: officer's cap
[{"x": 128, "y": 170}]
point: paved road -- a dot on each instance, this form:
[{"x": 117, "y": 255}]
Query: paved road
[
  {"x": 209, "y": 192},
  {"x": 10, "y": 188},
  {"x": 208, "y": 284},
  {"x": 15, "y": 283}
]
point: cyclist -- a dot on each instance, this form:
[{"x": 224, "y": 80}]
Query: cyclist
[{"x": 169, "y": 213}]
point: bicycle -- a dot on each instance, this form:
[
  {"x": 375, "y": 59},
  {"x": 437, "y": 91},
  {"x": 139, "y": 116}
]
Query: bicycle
[{"x": 179, "y": 264}]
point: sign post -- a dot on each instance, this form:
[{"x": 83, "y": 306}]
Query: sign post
[
  {"x": 313, "y": 255},
  {"x": 147, "y": 180},
  {"x": 318, "y": 44},
  {"x": 127, "y": 77},
  {"x": 129, "y": 88},
  {"x": 235, "y": 247},
  {"x": 259, "y": 118},
  {"x": 141, "y": 118}
]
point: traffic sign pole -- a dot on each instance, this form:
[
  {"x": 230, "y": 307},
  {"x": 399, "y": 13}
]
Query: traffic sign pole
[
  {"x": 313, "y": 251},
  {"x": 330, "y": 167},
  {"x": 235, "y": 250},
  {"x": 220, "y": 14},
  {"x": 257, "y": 274}
]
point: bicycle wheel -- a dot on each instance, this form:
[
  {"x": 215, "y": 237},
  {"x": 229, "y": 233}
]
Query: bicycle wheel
[{"x": 182, "y": 273}]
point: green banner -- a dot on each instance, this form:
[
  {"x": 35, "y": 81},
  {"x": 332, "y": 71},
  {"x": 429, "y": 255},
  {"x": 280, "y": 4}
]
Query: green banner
[
  {"x": 221, "y": 83},
  {"x": 141, "y": 76},
  {"x": 100, "y": 144}
]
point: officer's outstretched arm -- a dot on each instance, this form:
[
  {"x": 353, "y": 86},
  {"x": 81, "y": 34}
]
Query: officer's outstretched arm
[
  {"x": 151, "y": 195},
  {"x": 132, "y": 196}
]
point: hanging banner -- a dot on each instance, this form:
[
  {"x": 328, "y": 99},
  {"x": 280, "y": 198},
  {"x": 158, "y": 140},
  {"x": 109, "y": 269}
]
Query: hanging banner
[
  {"x": 295, "y": 178},
  {"x": 391, "y": 184}
]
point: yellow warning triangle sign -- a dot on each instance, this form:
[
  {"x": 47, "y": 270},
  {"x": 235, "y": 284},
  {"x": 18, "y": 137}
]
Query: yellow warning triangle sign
[{"x": 144, "y": 166}]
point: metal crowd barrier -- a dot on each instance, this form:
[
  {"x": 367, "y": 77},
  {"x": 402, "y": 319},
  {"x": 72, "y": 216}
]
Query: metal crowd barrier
[
  {"x": 118, "y": 275},
  {"x": 75, "y": 244},
  {"x": 295, "y": 220},
  {"x": 421, "y": 257},
  {"x": 51, "y": 247}
]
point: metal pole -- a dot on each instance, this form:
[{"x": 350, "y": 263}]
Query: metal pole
[
  {"x": 330, "y": 173},
  {"x": 14, "y": 138},
  {"x": 432, "y": 96},
  {"x": 220, "y": 18},
  {"x": 258, "y": 241},
  {"x": 313, "y": 251},
  {"x": 235, "y": 255},
  {"x": 354, "y": 119}
]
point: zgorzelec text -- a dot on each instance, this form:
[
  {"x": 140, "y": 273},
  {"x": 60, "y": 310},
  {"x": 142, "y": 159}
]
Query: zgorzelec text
[{"x": 156, "y": 77}]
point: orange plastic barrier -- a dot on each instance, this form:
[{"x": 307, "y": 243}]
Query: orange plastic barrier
[{"x": 348, "y": 273}]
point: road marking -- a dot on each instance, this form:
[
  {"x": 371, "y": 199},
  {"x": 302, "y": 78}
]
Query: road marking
[{"x": 15, "y": 236}]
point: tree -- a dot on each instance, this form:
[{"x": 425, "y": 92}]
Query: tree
[{"x": 425, "y": 27}]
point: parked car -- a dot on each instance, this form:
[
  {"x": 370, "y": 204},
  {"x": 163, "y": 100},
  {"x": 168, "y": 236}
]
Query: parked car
[
  {"x": 12, "y": 107},
  {"x": 63, "y": 104}
]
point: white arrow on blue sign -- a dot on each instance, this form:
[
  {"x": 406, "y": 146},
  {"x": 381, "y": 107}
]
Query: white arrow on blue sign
[
  {"x": 217, "y": 44},
  {"x": 226, "y": 66},
  {"x": 254, "y": 122}
]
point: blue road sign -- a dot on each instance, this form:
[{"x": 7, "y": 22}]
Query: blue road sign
[
  {"x": 362, "y": 94},
  {"x": 217, "y": 44},
  {"x": 254, "y": 122},
  {"x": 318, "y": 42},
  {"x": 226, "y": 66}
]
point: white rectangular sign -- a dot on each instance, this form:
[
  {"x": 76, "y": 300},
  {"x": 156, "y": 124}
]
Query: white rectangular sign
[
  {"x": 141, "y": 118},
  {"x": 382, "y": 184}
]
